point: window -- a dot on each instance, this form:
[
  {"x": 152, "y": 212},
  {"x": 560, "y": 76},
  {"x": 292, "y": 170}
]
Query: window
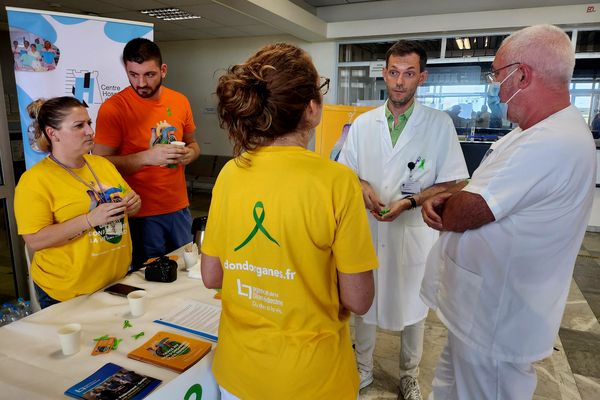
[
  {"x": 473, "y": 46},
  {"x": 355, "y": 52}
]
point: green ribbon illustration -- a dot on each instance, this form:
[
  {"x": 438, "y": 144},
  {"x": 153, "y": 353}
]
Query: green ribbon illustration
[
  {"x": 258, "y": 227},
  {"x": 196, "y": 390},
  {"x": 422, "y": 164}
]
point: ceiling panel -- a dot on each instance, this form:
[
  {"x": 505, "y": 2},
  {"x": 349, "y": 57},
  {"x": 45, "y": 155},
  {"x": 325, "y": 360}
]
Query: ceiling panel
[
  {"x": 227, "y": 31},
  {"x": 221, "y": 14},
  {"x": 178, "y": 3},
  {"x": 133, "y": 4},
  {"x": 201, "y": 23},
  {"x": 97, "y": 7},
  {"x": 134, "y": 16},
  {"x": 260, "y": 30},
  {"x": 182, "y": 34}
]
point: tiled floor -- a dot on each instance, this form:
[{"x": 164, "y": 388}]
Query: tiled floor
[{"x": 571, "y": 373}]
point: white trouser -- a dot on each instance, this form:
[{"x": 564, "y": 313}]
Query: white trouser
[
  {"x": 225, "y": 395},
  {"x": 463, "y": 373},
  {"x": 411, "y": 346}
]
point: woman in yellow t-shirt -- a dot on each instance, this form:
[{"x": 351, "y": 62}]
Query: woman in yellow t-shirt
[
  {"x": 72, "y": 208},
  {"x": 287, "y": 239}
]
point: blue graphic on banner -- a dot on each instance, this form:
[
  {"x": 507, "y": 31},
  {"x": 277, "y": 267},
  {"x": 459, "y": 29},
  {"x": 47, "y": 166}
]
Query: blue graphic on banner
[
  {"x": 29, "y": 145},
  {"x": 51, "y": 60},
  {"x": 84, "y": 85},
  {"x": 69, "y": 20},
  {"x": 34, "y": 23},
  {"x": 123, "y": 33}
]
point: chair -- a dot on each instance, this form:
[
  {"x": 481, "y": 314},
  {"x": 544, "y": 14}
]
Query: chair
[
  {"x": 199, "y": 174},
  {"x": 35, "y": 305}
]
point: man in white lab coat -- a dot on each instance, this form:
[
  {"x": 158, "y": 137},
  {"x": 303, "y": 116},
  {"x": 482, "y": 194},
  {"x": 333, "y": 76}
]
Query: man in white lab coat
[
  {"x": 499, "y": 277},
  {"x": 403, "y": 153}
]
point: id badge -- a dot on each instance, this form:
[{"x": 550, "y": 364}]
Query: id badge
[{"x": 411, "y": 187}]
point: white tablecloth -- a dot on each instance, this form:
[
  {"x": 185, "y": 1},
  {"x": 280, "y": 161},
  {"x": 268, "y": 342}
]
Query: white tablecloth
[{"x": 32, "y": 365}]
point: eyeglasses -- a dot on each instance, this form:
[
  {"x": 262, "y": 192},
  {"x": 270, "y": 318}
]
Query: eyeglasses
[
  {"x": 324, "y": 88},
  {"x": 492, "y": 75}
]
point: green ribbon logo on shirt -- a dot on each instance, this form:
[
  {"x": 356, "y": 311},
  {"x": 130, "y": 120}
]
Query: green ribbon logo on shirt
[{"x": 258, "y": 227}]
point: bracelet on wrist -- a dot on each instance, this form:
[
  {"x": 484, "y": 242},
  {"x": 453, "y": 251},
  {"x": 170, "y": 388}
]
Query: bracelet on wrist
[
  {"x": 88, "y": 221},
  {"x": 413, "y": 202}
]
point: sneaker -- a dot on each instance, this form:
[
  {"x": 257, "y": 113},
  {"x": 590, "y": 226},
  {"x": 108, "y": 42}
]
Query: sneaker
[
  {"x": 366, "y": 378},
  {"x": 409, "y": 388}
]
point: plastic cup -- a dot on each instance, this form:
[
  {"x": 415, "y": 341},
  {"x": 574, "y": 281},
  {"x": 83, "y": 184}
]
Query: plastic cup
[
  {"x": 190, "y": 258},
  {"x": 137, "y": 302},
  {"x": 176, "y": 143},
  {"x": 70, "y": 338}
]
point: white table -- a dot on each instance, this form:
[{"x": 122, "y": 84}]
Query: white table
[{"x": 32, "y": 365}]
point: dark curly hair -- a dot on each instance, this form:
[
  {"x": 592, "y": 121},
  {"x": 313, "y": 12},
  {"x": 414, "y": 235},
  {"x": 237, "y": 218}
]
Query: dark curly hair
[{"x": 266, "y": 97}]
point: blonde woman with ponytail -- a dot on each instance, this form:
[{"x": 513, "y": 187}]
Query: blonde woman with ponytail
[{"x": 72, "y": 208}]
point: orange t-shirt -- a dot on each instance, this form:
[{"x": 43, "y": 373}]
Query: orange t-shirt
[{"x": 132, "y": 124}]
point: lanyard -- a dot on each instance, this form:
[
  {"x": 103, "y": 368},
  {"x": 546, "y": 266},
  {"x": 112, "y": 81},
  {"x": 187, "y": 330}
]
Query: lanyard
[{"x": 101, "y": 194}]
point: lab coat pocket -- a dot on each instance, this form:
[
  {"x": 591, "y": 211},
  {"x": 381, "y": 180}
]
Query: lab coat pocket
[
  {"x": 458, "y": 294},
  {"x": 418, "y": 241}
]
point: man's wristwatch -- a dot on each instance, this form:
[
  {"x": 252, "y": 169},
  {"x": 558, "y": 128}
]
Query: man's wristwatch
[{"x": 413, "y": 202}]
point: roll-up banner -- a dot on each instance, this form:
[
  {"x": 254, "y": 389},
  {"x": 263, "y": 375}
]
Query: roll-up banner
[{"x": 58, "y": 54}]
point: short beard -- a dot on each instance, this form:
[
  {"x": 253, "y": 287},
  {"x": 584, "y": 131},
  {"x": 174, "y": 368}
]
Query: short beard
[
  {"x": 402, "y": 102},
  {"x": 152, "y": 93}
]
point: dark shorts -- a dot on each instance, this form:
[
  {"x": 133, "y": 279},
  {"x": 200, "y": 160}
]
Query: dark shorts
[
  {"x": 43, "y": 298},
  {"x": 158, "y": 235}
]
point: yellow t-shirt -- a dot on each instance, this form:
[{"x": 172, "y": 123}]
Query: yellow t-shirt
[
  {"x": 47, "y": 194},
  {"x": 282, "y": 229}
]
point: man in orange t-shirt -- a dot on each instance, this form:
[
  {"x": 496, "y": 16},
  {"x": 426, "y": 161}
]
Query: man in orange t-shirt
[{"x": 135, "y": 128}]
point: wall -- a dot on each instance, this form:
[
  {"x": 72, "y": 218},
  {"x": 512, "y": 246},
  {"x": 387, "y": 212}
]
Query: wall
[{"x": 194, "y": 67}]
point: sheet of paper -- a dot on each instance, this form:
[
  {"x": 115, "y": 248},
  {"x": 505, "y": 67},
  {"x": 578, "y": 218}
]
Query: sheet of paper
[{"x": 195, "y": 317}]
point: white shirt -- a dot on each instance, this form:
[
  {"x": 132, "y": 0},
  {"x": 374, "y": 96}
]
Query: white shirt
[
  {"x": 502, "y": 288},
  {"x": 402, "y": 245}
]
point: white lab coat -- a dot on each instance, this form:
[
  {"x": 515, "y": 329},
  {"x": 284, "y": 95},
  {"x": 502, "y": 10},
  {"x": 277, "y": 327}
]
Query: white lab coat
[{"x": 402, "y": 245}]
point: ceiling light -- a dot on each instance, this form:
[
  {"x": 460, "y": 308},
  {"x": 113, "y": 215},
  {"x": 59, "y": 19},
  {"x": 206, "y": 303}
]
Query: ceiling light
[
  {"x": 467, "y": 43},
  {"x": 459, "y": 43},
  {"x": 169, "y": 14}
]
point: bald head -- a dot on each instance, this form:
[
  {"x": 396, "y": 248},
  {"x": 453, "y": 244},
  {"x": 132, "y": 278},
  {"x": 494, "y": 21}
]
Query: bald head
[{"x": 546, "y": 49}]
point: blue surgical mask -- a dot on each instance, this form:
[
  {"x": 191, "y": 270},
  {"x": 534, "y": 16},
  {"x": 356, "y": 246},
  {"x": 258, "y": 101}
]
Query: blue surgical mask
[{"x": 493, "y": 97}]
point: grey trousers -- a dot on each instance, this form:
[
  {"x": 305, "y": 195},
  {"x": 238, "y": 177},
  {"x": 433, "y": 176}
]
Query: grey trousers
[{"x": 411, "y": 347}]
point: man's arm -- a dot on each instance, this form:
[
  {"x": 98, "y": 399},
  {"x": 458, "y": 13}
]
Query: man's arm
[
  {"x": 372, "y": 201},
  {"x": 357, "y": 291},
  {"x": 192, "y": 149},
  {"x": 159, "y": 154},
  {"x": 456, "y": 210},
  {"x": 464, "y": 211},
  {"x": 404, "y": 204}
]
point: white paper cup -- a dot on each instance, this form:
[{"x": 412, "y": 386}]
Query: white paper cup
[
  {"x": 190, "y": 258},
  {"x": 137, "y": 302},
  {"x": 177, "y": 143},
  {"x": 70, "y": 338}
]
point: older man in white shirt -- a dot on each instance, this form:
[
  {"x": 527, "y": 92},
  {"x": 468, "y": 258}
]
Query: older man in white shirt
[{"x": 499, "y": 275}]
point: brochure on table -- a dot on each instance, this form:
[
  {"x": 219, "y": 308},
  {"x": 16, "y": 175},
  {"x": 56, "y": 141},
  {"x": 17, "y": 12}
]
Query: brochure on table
[
  {"x": 113, "y": 381},
  {"x": 195, "y": 317},
  {"x": 172, "y": 351}
]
